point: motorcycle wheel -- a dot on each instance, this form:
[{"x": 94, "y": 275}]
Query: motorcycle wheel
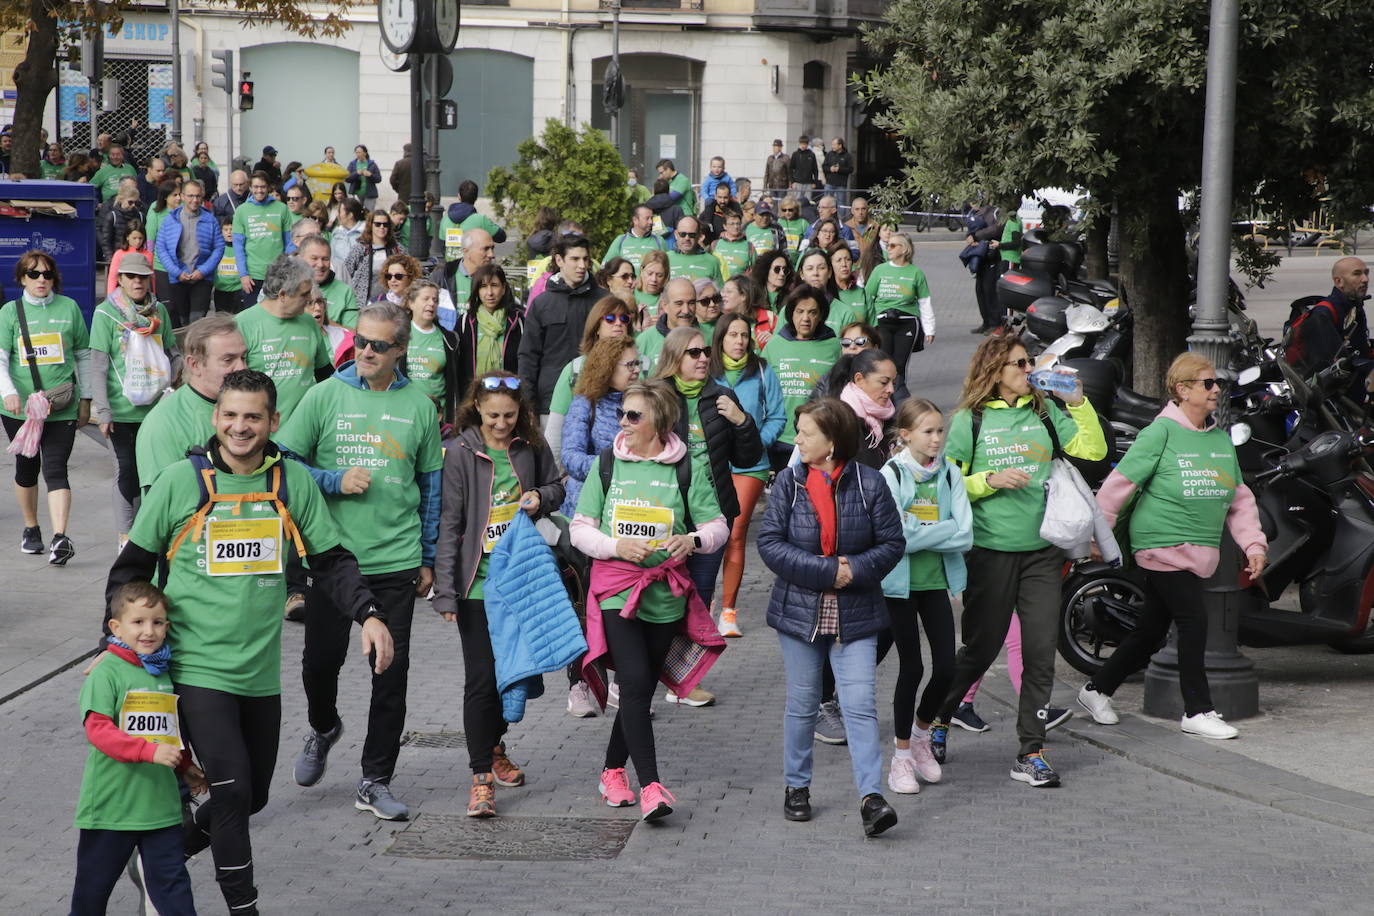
[{"x": 1086, "y": 638}]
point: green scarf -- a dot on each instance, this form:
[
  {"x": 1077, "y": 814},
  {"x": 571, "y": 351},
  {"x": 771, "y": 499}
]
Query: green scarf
[
  {"x": 689, "y": 389},
  {"x": 734, "y": 365},
  {"x": 491, "y": 331}
]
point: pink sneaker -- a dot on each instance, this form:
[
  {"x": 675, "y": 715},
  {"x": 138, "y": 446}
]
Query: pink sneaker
[
  {"x": 655, "y": 802},
  {"x": 616, "y": 789},
  {"x": 926, "y": 765}
]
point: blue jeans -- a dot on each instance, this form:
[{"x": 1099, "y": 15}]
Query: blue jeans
[
  {"x": 855, "y": 664},
  {"x": 703, "y": 569}
]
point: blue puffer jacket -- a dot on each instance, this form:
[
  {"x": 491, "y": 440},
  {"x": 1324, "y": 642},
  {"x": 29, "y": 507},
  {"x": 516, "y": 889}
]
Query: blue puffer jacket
[
  {"x": 760, "y": 394},
  {"x": 208, "y": 236},
  {"x": 584, "y": 438},
  {"x": 870, "y": 535}
]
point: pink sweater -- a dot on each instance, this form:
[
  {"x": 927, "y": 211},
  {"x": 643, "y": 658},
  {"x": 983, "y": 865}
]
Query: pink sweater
[{"x": 1242, "y": 519}]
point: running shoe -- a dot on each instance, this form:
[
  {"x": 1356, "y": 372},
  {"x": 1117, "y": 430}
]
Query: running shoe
[
  {"x": 1034, "y": 770},
  {"x": 377, "y": 798},
  {"x": 482, "y": 796},
  {"x": 1208, "y": 725},
  {"x": 966, "y": 718},
  {"x": 506, "y": 772},
  {"x": 1098, "y": 705},
  {"x": 927, "y": 767},
  {"x": 61, "y": 551},
  {"x": 901, "y": 776},
  {"x": 1056, "y": 716},
  {"x": 939, "y": 733},
  {"x": 31, "y": 540},
  {"x": 697, "y": 697},
  {"x": 295, "y": 607},
  {"x": 580, "y": 705},
  {"x": 655, "y": 802},
  {"x": 830, "y": 724},
  {"x": 313, "y": 758},
  {"x": 877, "y": 814},
  {"x": 729, "y": 625},
  {"x": 615, "y": 788}
]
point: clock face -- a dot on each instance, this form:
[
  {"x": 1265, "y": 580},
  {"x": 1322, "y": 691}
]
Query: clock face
[
  {"x": 398, "y": 20},
  {"x": 393, "y": 61},
  {"x": 446, "y": 23}
]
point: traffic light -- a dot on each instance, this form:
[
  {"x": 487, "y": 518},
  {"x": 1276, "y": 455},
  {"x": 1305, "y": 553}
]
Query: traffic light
[
  {"x": 222, "y": 71},
  {"x": 245, "y": 92}
]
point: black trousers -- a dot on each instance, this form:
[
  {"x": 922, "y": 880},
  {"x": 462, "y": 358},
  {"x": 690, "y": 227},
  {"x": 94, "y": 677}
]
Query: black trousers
[
  {"x": 235, "y": 739},
  {"x": 638, "y": 650},
  {"x": 1170, "y": 597},
  {"x": 100, "y": 859},
  {"x": 190, "y": 301},
  {"x": 54, "y": 448},
  {"x": 228, "y": 301},
  {"x": 935, "y": 614},
  {"x": 327, "y": 633},
  {"x": 123, "y": 438},
  {"x": 482, "y": 719},
  {"x": 985, "y": 288}
]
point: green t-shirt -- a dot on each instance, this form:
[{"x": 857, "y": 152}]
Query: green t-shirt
[
  {"x": 425, "y": 360},
  {"x": 800, "y": 364},
  {"x": 927, "y": 567},
  {"x": 395, "y": 435},
  {"x": 225, "y": 630},
  {"x": 649, "y": 342},
  {"x": 696, "y": 439},
  {"x": 839, "y": 315},
  {"x": 793, "y": 230},
  {"x": 644, "y": 498},
  {"x": 562, "y": 396},
  {"x": 123, "y": 796},
  {"x": 1010, "y": 254},
  {"x": 182, "y": 419},
  {"x": 648, "y": 302},
  {"x": 152, "y": 225},
  {"x": 108, "y": 336},
  {"x": 505, "y": 501},
  {"x": 227, "y": 272},
  {"x": 51, "y": 171},
  {"x": 341, "y": 304},
  {"x": 58, "y": 333},
  {"x": 893, "y": 287},
  {"x": 1189, "y": 480},
  {"x": 857, "y": 301},
  {"x": 108, "y": 177},
  {"x": 699, "y": 266},
  {"x": 453, "y": 246},
  {"x": 288, "y": 351},
  {"x": 735, "y": 257},
  {"x": 263, "y": 227},
  {"x": 682, "y": 184},
  {"x": 760, "y": 237},
  {"x": 633, "y": 248}
]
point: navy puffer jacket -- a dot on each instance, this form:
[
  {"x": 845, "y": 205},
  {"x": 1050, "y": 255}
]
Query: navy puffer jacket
[{"x": 870, "y": 535}]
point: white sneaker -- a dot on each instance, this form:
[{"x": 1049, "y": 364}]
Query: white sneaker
[
  {"x": 580, "y": 703},
  {"x": 901, "y": 776},
  {"x": 1099, "y": 706},
  {"x": 1208, "y": 725},
  {"x": 926, "y": 764}
]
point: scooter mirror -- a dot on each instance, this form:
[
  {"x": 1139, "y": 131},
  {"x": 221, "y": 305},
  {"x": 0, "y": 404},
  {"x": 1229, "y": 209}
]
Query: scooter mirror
[
  {"x": 1240, "y": 434},
  {"x": 1249, "y": 375}
]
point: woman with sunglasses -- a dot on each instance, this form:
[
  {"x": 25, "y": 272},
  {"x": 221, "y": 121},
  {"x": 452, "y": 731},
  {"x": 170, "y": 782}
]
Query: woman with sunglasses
[
  {"x": 1003, "y": 436},
  {"x": 365, "y": 262},
  {"x": 791, "y": 223},
  {"x": 618, "y": 278},
  {"x": 1176, "y": 524},
  {"x": 398, "y": 272},
  {"x": 854, "y": 338},
  {"x": 773, "y": 273},
  {"x": 610, "y": 317},
  {"x": 735, "y": 363},
  {"x": 640, "y": 530},
  {"x": 802, "y": 352},
  {"x": 653, "y": 276},
  {"x": 489, "y": 331},
  {"x": 497, "y": 465},
  {"x": 709, "y": 305},
  {"x": 57, "y": 331}
]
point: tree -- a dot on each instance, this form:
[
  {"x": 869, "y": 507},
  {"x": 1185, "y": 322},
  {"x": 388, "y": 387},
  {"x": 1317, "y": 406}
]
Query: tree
[
  {"x": 576, "y": 172},
  {"x": 35, "y": 77},
  {"x": 1108, "y": 95}
]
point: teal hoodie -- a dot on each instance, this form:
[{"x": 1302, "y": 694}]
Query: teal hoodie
[{"x": 950, "y": 536}]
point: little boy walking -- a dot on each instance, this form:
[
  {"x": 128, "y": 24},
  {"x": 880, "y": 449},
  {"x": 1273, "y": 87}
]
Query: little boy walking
[{"x": 129, "y": 797}]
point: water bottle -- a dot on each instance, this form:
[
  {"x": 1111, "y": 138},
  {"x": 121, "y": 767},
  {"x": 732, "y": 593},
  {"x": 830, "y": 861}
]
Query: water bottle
[{"x": 1058, "y": 379}]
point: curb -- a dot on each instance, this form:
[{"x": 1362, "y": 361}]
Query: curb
[{"x": 1209, "y": 765}]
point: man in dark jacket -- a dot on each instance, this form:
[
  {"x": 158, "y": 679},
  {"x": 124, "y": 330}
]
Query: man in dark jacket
[
  {"x": 837, "y": 168},
  {"x": 1336, "y": 320},
  {"x": 554, "y": 321},
  {"x": 232, "y": 199},
  {"x": 777, "y": 172},
  {"x": 400, "y": 174},
  {"x": 665, "y": 208},
  {"x": 805, "y": 173},
  {"x": 983, "y": 225},
  {"x": 148, "y": 181},
  {"x": 268, "y": 163}
]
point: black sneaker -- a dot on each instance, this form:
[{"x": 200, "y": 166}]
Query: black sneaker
[
  {"x": 877, "y": 814},
  {"x": 1034, "y": 770},
  {"x": 31, "y": 541},
  {"x": 313, "y": 758},
  {"x": 796, "y": 803},
  {"x": 1054, "y": 716},
  {"x": 967, "y": 719},
  {"x": 61, "y": 551},
  {"x": 939, "y": 733}
]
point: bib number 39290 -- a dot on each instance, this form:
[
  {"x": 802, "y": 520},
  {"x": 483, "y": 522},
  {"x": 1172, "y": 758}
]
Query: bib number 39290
[
  {"x": 152, "y": 716},
  {"x": 649, "y": 523},
  {"x": 243, "y": 547}
]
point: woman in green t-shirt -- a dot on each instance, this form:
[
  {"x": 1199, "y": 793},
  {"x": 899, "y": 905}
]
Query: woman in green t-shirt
[
  {"x": 898, "y": 299},
  {"x": 496, "y": 466},
  {"x": 773, "y": 273},
  {"x": 653, "y": 275}
]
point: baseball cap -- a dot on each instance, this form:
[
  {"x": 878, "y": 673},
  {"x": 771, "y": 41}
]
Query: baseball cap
[
  {"x": 777, "y": 143},
  {"x": 269, "y": 151},
  {"x": 763, "y": 206},
  {"x": 135, "y": 262}
]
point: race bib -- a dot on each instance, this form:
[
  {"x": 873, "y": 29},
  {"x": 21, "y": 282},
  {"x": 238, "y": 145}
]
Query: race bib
[
  {"x": 47, "y": 349},
  {"x": 793, "y": 238},
  {"x": 659, "y": 228},
  {"x": 243, "y": 547},
  {"x": 532, "y": 270},
  {"x": 152, "y": 716},
  {"x": 650, "y": 523},
  {"x": 498, "y": 520},
  {"x": 227, "y": 268},
  {"x": 926, "y": 513},
  {"x": 453, "y": 243}
]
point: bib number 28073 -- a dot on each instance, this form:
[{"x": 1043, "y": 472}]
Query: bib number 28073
[{"x": 243, "y": 547}]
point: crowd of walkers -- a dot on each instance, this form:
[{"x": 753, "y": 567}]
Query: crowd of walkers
[{"x": 345, "y": 442}]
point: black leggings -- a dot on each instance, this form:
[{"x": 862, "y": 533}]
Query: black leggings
[
  {"x": 638, "y": 650},
  {"x": 482, "y": 719},
  {"x": 898, "y": 332},
  {"x": 54, "y": 448},
  {"x": 932, "y": 607},
  {"x": 228, "y": 301},
  {"x": 123, "y": 437},
  {"x": 235, "y": 739}
]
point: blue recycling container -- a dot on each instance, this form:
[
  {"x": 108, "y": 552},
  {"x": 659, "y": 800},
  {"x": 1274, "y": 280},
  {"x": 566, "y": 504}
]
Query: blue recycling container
[{"x": 69, "y": 239}]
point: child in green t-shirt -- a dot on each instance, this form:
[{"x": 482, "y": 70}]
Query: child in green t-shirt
[{"x": 129, "y": 799}]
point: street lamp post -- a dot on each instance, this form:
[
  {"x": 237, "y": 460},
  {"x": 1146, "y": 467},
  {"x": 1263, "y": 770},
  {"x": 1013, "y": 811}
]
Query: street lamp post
[{"x": 176, "y": 70}]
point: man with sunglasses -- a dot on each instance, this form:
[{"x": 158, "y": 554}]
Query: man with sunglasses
[
  {"x": 374, "y": 438},
  {"x": 639, "y": 241},
  {"x": 261, "y": 234},
  {"x": 690, "y": 260},
  {"x": 296, "y": 199},
  {"x": 677, "y": 308},
  {"x": 555, "y": 319}
]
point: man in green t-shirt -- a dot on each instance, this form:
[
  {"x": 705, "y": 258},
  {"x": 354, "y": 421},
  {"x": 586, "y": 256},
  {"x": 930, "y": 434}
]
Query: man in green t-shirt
[
  {"x": 106, "y": 178},
  {"x": 677, "y": 309},
  {"x": 375, "y": 438},
  {"x": 461, "y": 217},
  {"x": 455, "y": 278},
  {"x": 343, "y": 304},
  {"x": 732, "y": 249},
  {"x": 282, "y": 340},
  {"x": 262, "y": 233},
  {"x": 679, "y": 187},
  {"x": 224, "y": 592},
  {"x": 690, "y": 260},
  {"x": 296, "y": 199},
  {"x": 639, "y": 241},
  {"x": 213, "y": 348}
]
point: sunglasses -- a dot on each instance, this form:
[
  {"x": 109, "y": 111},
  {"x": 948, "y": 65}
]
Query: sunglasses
[
  {"x": 1021, "y": 363},
  {"x": 634, "y": 416},
  {"x": 45, "y": 274},
  {"x": 698, "y": 352},
  {"x": 628, "y": 276},
  {"x": 686, "y": 235},
  {"x": 854, "y": 342},
  {"x": 612, "y": 319},
  {"x": 133, "y": 276},
  {"x": 395, "y": 276},
  {"x": 378, "y": 346},
  {"x": 497, "y": 382},
  {"x": 386, "y": 223},
  {"x": 294, "y": 197},
  {"x": 711, "y": 300},
  {"x": 785, "y": 212},
  {"x": 1208, "y": 383}
]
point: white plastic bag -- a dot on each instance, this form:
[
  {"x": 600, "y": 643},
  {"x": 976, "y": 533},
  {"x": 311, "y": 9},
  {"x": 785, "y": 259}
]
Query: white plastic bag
[
  {"x": 1068, "y": 513},
  {"x": 147, "y": 371}
]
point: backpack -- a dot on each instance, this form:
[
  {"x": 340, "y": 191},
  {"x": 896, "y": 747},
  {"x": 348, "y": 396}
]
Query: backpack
[
  {"x": 1299, "y": 312},
  {"x": 205, "y": 476},
  {"x": 605, "y": 463}
]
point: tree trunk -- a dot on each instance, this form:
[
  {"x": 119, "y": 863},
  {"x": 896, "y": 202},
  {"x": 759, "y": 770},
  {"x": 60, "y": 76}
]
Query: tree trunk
[
  {"x": 34, "y": 80},
  {"x": 1095, "y": 258},
  {"x": 1154, "y": 276}
]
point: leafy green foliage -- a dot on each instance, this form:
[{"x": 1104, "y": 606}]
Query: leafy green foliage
[{"x": 576, "y": 172}]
